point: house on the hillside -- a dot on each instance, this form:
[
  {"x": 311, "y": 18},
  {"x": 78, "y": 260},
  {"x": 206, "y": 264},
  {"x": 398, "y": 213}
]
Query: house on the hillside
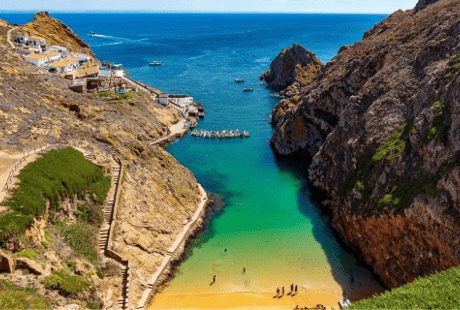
[
  {"x": 36, "y": 41},
  {"x": 83, "y": 57},
  {"x": 63, "y": 65},
  {"x": 79, "y": 85},
  {"x": 180, "y": 101},
  {"x": 21, "y": 39},
  {"x": 37, "y": 59},
  {"x": 57, "y": 48},
  {"x": 53, "y": 55}
]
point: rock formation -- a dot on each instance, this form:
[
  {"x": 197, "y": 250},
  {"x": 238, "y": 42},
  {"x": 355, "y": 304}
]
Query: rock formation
[
  {"x": 381, "y": 124},
  {"x": 293, "y": 64},
  {"x": 158, "y": 194}
]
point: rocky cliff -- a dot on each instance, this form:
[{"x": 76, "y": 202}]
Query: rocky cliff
[
  {"x": 55, "y": 32},
  {"x": 381, "y": 123},
  {"x": 292, "y": 65},
  {"x": 158, "y": 194}
]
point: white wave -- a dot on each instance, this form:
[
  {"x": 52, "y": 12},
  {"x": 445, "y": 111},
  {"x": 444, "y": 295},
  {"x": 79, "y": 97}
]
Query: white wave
[{"x": 113, "y": 43}]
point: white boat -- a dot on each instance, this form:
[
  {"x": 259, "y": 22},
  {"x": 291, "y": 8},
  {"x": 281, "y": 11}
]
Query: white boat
[
  {"x": 155, "y": 63},
  {"x": 247, "y": 89},
  {"x": 239, "y": 80}
]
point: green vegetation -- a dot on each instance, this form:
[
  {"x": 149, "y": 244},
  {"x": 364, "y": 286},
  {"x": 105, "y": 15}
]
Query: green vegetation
[
  {"x": 28, "y": 253},
  {"x": 400, "y": 191},
  {"x": 437, "y": 125},
  {"x": 395, "y": 146},
  {"x": 4, "y": 41},
  {"x": 438, "y": 291},
  {"x": 15, "y": 297},
  {"x": 67, "y": 284},
  {"x": 453, "y": 67},
  {"x": 81, "y": 238},
  {"x": 114, "y": 97},
  {"x": 55, "y": 175}
]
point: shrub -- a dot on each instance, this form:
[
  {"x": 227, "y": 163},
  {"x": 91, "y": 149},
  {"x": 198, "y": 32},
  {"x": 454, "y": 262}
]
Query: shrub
[
  {"x": 15, "y": 297},
  {"x": 67, "y": 284},
  {"x": 81, "y": 238},
  {"x": 55, "y": 175},
  {"x": 4, "y": 41},
  {"x": 28, "y": 253},
  {"x": 438, "y": 291}
]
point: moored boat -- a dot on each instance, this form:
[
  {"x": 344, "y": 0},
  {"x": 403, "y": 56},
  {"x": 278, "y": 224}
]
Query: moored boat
[
  {"x": 239, "y": 80},
  {"x": 247, "y": 89},
  {"x": 155, "y": 63}
]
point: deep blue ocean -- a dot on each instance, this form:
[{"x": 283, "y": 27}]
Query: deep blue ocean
[{"x": 268, "y": 223}]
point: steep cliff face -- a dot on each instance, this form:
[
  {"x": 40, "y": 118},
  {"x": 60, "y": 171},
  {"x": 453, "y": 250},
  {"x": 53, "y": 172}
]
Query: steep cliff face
[
  {"x": 158, "y": 194},
  {"x": 293, "y": 64},
  {"x": 381, "y": 122}
]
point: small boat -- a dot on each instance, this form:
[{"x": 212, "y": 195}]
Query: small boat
[
  {"x": 239, "y": 80},
  {"x": 155, "y": 63},
  {"x": 92, "y": 33},
  {"x": 247, "y": 89}
]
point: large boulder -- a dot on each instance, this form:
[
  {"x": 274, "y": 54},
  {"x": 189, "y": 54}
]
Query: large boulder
[
  {"x": 6, "y": 262},
  {"x": 25, "y": 263},
  {"x": 292, "y": 64}
]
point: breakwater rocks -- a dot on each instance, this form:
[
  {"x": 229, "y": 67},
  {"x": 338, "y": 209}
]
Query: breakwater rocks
[
  {"x": 381, "y": 122},
  {"x": 224, "y": 134}
]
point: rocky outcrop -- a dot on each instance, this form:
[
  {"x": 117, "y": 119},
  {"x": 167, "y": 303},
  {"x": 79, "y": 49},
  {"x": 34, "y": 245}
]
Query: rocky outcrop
[
  {"x": 293, "y": 64},
  {"x": 381, "y": 124},
  {"x": 158, "y": 194},
  {"x": 6, "y": 262},
  {"x": 25, "y": 263},
  {"x": 55, "y": 32}
]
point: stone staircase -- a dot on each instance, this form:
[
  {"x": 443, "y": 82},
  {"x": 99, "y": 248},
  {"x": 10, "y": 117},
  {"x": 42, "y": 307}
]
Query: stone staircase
[{"x": 105, "y": 236}]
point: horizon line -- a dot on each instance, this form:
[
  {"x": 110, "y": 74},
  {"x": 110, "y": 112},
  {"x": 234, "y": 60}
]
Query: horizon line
[{"x": 181, "y": 12}]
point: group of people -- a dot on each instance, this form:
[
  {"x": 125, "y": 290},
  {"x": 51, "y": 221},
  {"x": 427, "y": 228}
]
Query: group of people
[
  {"x": 318, "y": 307},
  {"x": 294, "y": 291}
]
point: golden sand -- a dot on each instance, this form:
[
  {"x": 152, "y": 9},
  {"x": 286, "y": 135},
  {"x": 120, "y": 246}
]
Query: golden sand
[{"x": 243, "y": 301}]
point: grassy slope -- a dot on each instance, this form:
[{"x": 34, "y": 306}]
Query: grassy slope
[
  {"x": 55, "y": 175},
  {"x": 439, "y": 291}
]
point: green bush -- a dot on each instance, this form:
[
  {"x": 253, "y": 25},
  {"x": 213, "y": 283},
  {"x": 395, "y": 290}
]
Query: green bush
[
  {"x": 28, "y": 253},
  {"x": 55, "y": 175},
  {"x": 438, "y": 291},
  {"x": 67, "y": 284},
  {"x": 81, "y": 237},
  {"x": 15, "y": 297},
  {"x": 4, "y": 41},
  {"x": 437, "y": 125},
  {"x": 453, "y": 67}
]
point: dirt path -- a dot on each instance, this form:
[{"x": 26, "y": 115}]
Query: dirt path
[{"x": 8, "y": 37}]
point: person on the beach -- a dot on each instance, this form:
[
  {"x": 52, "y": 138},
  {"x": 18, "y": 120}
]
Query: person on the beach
[
  {"x": 225, "y": 250},
  {"x": 277, "y": 291},
  {"x": 282, "y": 291},
  {"x": 292, "y": 287},
  {"x": 296, "y": 289},
  {"x": 214, "y": 279},
  {"x": 244, "y": 270}
]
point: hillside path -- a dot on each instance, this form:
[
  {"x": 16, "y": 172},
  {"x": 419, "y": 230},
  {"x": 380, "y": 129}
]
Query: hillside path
[{"x": 8, "y": 37}]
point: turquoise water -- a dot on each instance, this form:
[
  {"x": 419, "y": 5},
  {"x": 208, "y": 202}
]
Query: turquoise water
[{"x": 269, "y": 224}]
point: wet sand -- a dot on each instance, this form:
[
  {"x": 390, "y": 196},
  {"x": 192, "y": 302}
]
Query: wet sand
[{"x": 244, "y": 301}]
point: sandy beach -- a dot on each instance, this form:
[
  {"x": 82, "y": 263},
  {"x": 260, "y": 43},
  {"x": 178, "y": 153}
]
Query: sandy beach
[{"x": 243, "y": 301}]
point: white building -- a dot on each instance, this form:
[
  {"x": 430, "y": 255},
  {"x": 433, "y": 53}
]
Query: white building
[
  {"x": 36, "y": 41},
  {"x": 57, "y": 48},
  {"x": 82, "y": 57},
  {"x": 37, "y": 59},
  {"x": 53, "y": 55},
  {"x": 118, "y": 70},
  {"x": 63, "y": 65},
  {"x": 180, "y": 101}
]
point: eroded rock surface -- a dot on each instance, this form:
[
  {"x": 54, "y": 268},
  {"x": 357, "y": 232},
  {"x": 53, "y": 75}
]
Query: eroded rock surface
[
  {"x": 381, "y": 122},
  {"x": 293, "y": 64}
]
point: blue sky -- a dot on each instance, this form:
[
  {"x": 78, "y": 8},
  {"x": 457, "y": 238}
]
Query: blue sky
[{"x": 282, "y": 6}]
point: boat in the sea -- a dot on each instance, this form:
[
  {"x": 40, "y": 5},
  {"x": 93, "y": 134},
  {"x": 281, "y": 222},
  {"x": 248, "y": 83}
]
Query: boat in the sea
[
  {"x": 239, "y": 80},
  {"x": 155, "y": 63},
  {"x": 247, "y": 89},
  {"x": 92, "y": 33}
]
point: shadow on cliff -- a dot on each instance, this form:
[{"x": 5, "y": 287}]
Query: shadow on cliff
[{"x": 353, "y": 275}]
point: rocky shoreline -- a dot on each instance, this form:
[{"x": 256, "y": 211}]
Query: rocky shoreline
[{"x": 379, "y": 122}]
